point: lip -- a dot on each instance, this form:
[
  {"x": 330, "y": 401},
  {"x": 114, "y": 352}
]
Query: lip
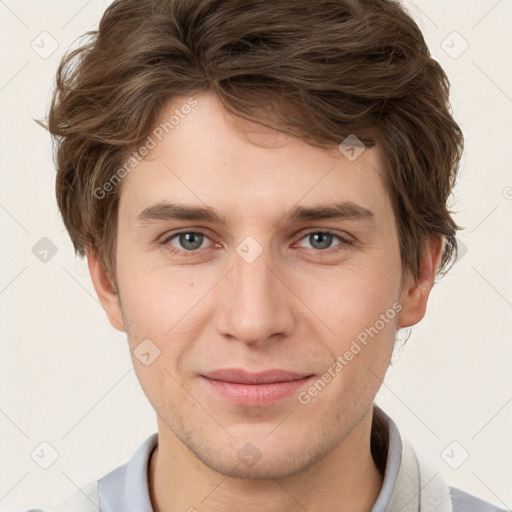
[
  {"x": 240, "y": 376},
  {"x": 255, "y": 389}
]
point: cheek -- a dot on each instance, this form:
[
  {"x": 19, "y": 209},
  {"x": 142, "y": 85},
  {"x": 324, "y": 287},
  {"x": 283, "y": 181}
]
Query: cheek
[
  {"x": 156, "y": 297},
  {"x": 167, "y": 307},
  {"x": 350, "y": 298},
  {"x": 358, "y": 304}
]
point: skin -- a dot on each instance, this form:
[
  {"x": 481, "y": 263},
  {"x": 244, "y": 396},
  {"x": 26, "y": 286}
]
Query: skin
[{"x": 297, "y": 307}]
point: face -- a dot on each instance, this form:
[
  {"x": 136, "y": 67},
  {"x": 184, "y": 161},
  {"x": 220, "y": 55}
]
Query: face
[{"x": 264, "y": 282}]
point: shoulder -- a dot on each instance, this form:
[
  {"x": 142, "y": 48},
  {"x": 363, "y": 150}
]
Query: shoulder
[
  {"x": 83, "y": 500},
  {"x": 464, "y": 502}
]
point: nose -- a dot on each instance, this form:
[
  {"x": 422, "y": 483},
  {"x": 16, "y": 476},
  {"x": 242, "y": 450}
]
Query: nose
[{"x": 255, "y": 305}]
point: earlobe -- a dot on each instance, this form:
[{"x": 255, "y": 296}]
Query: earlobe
[
  {"x": 105, "y": 290},
  {"x": 417, "y": 288}
]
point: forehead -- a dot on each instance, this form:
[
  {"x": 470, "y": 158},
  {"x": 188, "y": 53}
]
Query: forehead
[{"x": 206, "y": 156}]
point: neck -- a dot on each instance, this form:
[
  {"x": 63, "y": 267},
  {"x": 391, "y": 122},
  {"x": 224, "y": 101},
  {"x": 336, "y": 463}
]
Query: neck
[{"x": 345, "y": 480}]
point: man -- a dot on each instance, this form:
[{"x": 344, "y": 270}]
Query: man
[{"x": 260, "y": 189}]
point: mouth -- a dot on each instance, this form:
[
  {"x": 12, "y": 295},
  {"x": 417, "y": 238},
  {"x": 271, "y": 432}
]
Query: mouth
[{"x": 241, "y": 387}]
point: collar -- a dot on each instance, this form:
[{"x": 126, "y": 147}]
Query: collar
[{"x": 405, "y": 485}]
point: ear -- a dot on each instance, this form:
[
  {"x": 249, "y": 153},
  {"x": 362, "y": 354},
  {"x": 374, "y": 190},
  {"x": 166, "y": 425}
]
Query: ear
[
  {"x": 105, "y": 290},
  {"x": 417, "y": 289}
]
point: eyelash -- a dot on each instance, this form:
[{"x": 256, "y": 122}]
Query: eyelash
[{"x": 340, "y": 247}]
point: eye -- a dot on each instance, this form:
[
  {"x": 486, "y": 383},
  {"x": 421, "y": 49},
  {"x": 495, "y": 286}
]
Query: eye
[
  {"x": 322, "y": 240},
  {"x": 187, "y": 242}
]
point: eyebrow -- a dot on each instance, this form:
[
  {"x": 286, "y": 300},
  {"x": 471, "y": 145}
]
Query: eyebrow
[{"x": 346, "y": 210}]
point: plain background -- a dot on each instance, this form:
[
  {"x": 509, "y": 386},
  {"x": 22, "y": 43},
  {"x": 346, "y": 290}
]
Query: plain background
[{"x": 66, "y": 376}]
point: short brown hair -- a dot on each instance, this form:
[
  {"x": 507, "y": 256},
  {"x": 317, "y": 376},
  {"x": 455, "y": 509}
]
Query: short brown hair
[{"x": 318, "y": 70}]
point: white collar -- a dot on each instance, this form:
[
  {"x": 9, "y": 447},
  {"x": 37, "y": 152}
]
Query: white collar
[{"x": 414, "y": 486}]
